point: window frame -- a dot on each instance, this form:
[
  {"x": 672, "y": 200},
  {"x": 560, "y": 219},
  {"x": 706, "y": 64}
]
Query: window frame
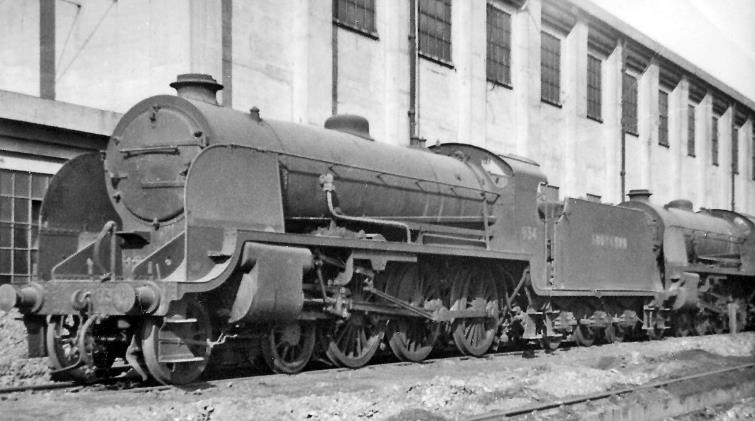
[
  {"x": 691, "y": 118},
  {"x": 21, "y": 248},
  {"x": 735, "y": 150},
  {"x": 752, "y": 152},
  {"x": 546, "y": 34},
  {"x": 422, "y": 32},
  {"x": 592, "y": 57},
  {"x": 343, "y": 22},
  {"x": 632, "y": 128},
  {"x": 663, "y": 114},
  {"x": 505, "y": 45},
  {"x": 714, "y": 141}
]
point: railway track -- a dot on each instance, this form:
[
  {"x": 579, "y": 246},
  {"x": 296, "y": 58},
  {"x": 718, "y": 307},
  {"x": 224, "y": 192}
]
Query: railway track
[
  {"x": 533, "y": 409},
  {"x": 722, "y": 380},
  {"x": 132, "y": 383}
]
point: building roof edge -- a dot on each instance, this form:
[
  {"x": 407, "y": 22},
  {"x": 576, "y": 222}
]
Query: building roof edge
[
  {"x": 46, "y": 112},
  {"x": 597, "y": 12}
]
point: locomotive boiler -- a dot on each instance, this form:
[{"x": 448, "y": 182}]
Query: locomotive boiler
[{"x": 201, "y": 227}]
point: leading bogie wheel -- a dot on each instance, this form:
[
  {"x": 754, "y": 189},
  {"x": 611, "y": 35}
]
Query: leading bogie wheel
[
  {"x": 287, "y": 348},
  {"x": 474, "y": 289},
  {"x": 63, "y": 347},
  {"x": 176, "y": 348}
]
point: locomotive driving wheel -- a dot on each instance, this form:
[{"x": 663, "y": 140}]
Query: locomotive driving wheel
[
  {"x": 474, "y": 289},
  {"x": 176, "y": 348},
  {"x": 288, "y": 348},
  {"x": 353, "y": 341},
  {"x": 412, "y": 339}
]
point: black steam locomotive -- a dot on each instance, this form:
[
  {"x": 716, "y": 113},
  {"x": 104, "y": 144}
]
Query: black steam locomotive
[{"x": 201, "y": 227}]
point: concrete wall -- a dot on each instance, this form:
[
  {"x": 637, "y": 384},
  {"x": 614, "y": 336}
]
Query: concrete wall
[
  {"x": 135, "y": 48},
  {"x": 110, "y": 54},
  {"x": 19, "y": 44}
]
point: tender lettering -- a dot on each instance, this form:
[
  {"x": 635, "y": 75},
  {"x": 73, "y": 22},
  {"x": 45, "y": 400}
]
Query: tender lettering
[{"x": 610, "y": 241}]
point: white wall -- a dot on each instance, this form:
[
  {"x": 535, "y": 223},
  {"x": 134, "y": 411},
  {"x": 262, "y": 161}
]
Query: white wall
[
  {"x": 19, "y": 46},
  {"x": 111, "y": 54}
]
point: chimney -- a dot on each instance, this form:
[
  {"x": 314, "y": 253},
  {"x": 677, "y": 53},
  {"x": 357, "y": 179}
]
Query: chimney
[
  {"x": 197, "y": 87},
  {"x": 639, "y": 195}
]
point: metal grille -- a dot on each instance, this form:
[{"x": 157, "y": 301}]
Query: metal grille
[
  {"x": 499, "y": 46},
  {"x": 663, "y": 118},
  {"x": 20, "y": 202},
  {"x": 714, "y": 142},
  {"x": 356, "y": 14},
  {"x": 691, "y": 130},
  {"x": 435, "y": 29},
  {"x": 550, "y": 69},
  {"x": 594, "y": 82},
  {"x": 629, "y": 103}
]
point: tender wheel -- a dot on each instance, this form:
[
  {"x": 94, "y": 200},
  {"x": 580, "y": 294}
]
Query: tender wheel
[
  {"x": 719, "y": 323},
  {"x": 655, "y": 334},
  {"x": 550, "y": 344},
  {"x": 682, "y": 324},
  {"x": 702, "y": 325},
  {"x": 353, "y": 342},
  {"x": 175, "y": 348},
  {"x": 614, "y": 333},
  {"x": 584, "y": 335},
  {"x": 474, "y": 290},
  {"x": 288, "y": 348},
  {"x": 412, "y": 339},
  {"x": 63, "y": 346}
]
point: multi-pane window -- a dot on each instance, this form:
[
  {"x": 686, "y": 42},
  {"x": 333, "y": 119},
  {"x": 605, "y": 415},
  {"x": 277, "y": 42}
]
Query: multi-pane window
[
  {"x": 499, "y": 46},
  {"x": 20, "y": 201},
  {"x": 629, "y": 103},
  {"x": 735, "y": 151},
  {"x": 714, "y": 142},
  {"x": 691, "y": 130},
  {"x": 662, "y": 118},
  {"x": 356, "y": 14},
  {"x": 594, "y": 82},
  {"x": 435, "y": 29},
  {"x": 550, "y": 68}
]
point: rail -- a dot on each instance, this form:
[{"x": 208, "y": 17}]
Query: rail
[{"x": 602, "y": 395}]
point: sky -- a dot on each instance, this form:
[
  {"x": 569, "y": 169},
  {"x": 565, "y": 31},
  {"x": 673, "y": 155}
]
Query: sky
[{"x": 718, "y": 36}]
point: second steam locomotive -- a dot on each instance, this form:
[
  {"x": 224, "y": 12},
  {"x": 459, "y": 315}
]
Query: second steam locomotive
[{"x": 203, "y": 229}]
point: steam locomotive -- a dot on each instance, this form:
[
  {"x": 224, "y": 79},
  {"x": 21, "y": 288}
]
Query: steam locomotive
[{"x": 202, "y": 226}]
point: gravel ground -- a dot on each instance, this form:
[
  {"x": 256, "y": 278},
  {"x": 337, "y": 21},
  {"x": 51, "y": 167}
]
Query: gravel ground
[
  {"x": 15, "y": 368},
  {"x": 442, "y": 390},
  {"x": 741, "y": 410}
]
